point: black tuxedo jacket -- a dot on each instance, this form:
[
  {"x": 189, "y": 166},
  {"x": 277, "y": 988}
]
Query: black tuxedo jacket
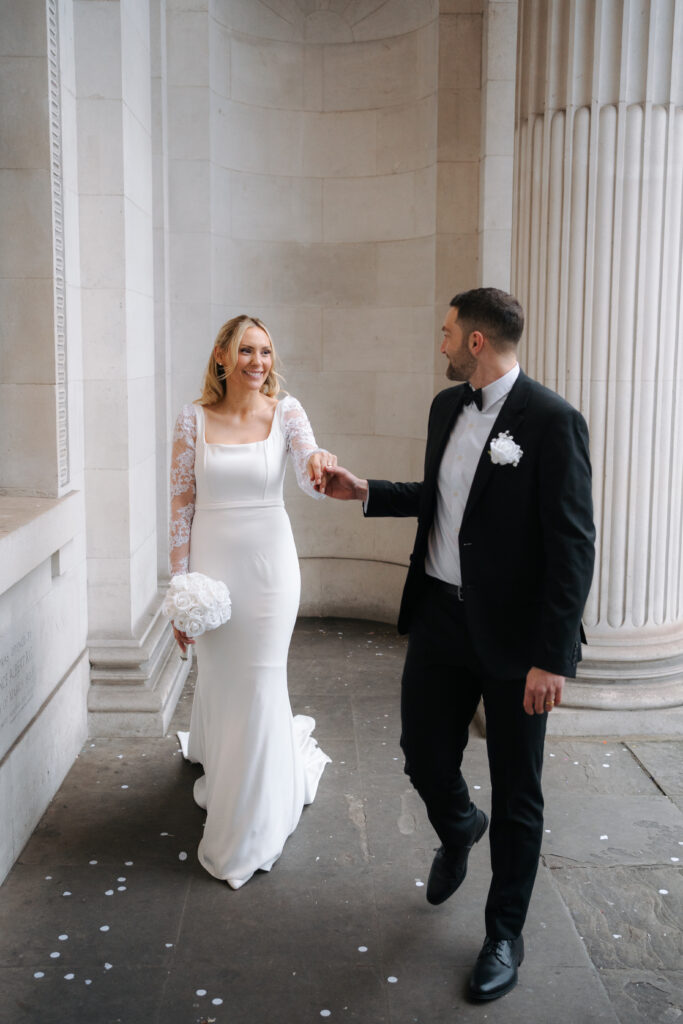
[{"x": 527, "y": 536}]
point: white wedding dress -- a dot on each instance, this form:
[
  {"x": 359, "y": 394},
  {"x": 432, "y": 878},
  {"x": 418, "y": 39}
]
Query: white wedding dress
[{"x": 261, "y": 764}]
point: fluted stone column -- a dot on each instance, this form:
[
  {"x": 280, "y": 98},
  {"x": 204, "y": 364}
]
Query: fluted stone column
[{"x": 597, "y": 264}]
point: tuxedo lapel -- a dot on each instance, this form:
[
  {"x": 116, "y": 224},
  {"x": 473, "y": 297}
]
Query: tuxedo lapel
[{"x": 509, "y": 417}]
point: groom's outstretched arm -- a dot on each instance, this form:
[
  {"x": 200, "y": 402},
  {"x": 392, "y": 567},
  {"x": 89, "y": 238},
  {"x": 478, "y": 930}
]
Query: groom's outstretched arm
[{"x": 379, "y": 497}]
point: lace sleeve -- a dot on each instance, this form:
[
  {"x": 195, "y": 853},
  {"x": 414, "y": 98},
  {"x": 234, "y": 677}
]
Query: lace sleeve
[
  {"x": 300, "y": 442},
  {"x": 183, "y": 489}
]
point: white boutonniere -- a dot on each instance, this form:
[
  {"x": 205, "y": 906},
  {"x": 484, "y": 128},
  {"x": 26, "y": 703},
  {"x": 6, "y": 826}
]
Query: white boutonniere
[{"x": 504, "y": 450}]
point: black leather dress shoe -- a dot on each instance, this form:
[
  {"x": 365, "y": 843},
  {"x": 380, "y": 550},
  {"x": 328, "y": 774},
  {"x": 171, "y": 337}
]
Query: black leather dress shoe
[
  {"x": 449, "y": 869},
  {"x": 495, "y": 971}
]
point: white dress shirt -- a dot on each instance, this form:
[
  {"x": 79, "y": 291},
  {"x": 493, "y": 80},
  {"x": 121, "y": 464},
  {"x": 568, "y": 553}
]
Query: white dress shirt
[{"x": 456, "y": 473}]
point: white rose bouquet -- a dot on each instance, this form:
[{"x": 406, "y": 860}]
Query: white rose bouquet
[{"x": 195, "y": 603}]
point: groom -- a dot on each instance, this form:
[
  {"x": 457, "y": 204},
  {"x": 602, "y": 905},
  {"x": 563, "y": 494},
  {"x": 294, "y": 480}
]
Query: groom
[{"x": 498, "y": 579}]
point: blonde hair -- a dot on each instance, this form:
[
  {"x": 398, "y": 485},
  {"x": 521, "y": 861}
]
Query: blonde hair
[{"x": 228, "y": 341}]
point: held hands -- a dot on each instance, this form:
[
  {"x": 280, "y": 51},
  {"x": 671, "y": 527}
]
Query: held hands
[
  {"x": 317, "y": 467},
  {"x": 543, "y": 691},
  {"x": 343, "y": 485}
]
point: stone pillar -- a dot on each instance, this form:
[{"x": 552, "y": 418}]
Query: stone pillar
[
  {"x": 136, "y": 673},
  {"x": 597, "y": 265}
]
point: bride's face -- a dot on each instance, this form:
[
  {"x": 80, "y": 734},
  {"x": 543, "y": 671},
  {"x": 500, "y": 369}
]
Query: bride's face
[{"x": 254, "y": 360}]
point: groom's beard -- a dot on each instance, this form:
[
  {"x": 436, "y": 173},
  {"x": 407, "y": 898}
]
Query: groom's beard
[{"x": 461, "y": 367}]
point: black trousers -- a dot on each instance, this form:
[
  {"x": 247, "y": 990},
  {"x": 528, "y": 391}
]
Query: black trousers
[{"x": 443, "y": 682}]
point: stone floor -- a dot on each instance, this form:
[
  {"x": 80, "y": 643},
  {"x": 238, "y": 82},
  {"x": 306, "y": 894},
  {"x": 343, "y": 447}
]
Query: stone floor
[{"x": 108, "y": 917}]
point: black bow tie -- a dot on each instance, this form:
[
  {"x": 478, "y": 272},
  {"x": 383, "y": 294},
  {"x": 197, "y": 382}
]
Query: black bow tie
[{"x": 472, "y": 396}]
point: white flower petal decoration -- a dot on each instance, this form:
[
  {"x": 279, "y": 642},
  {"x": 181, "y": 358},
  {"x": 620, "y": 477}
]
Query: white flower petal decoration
[
  {"x": 504, "y": 450},
  {"x": 195, "y": 603}
]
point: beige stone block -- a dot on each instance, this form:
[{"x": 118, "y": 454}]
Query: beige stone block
[
  {"x": 258, "y": 19},
  {"x": 327, "y": 27},
  {"x": 24, "y": 126},
  {"x": 108, "y": 602},
  {"x": 24, "y": 29},
  {"x": 297, "y": 335},
  {"x": 362, "y": 589},
  {"x": 326, "y": 528},
  {"x": 189, "y": 195},
  {"x": 139, "y": 249},
  {"x": 369, "y": 209},
  {"x": 187, "y": 39},
  {"x": 106, "y": 422},
  {"x": 26, "y": 220},
  {"x": 405, "y": 272},
  {"x": 460, "y": 42},
  {"x": 496, "y": 258},
  {"x": 501, "y": 42},
  {"x": 27, "y": 343},
  {"x": 219, "y": 58},
  {"x": 141, "y": 415},
  {"x": 192, "y": 5},
  {"x": 396, "y": 18},
  {"x": 428, "y": 59},
  {"x": 108, "y": 512},
  {"x": 276, "y": 208},
  {"x": 457, "y": 265},
  {"x": 28, "y": 442},
  {"x": 339, "y": 144},
  {"x": 103, "y": 241},
  {"x": 313, "y": 77},
  {"x": 383, "y": 341},
  {"x": 499, "y": 125},
  {"x": 461, "y": 6},
  {"x": 140, "y": 335},
  {"x": 267, "y": 73},
  {"x": 369, "y": 75},
  {"x": 192, "y": 335},
  {"x": 137, "y": 15},
  {"x": 378, "y": 457},
  {"x": 459, "y": 124},
  {"x": 406, "y": 136},
  {"x": 336, "y": 402},
  {"x": 103, "y": 319},
  {"x": 189, "y": 123},
  {"x": 221, "y": 200},
  {"x": 425, "y": 201},
  {"x": 286, "y": 273},
  {"x": 458, "y": 197},
  {"x": 100, "y": 146},
  {"x": 402, "y": 404},
  {"x": 143, "y": 510},
  {"x": 190, "y": 267},
  {"x": 185, "y": 387},
  {"x": 137, "y": 166},
  {"x": 97, "y": 41},
  {"x": 136, "y": 70},
  {"x": 496, "y": 193},
  {"x": 251, "y": 138},
  {"x": 143, "y": 579},
  {"x": 394, "y": 541}
]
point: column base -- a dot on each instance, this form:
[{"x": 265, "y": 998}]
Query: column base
[
  {"x": 135, "y": 684},
  {"x": 636, "y": 671}
]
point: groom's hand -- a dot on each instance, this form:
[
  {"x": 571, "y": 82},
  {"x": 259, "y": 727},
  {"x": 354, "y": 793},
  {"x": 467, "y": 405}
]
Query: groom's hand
[
  {"x": 344, "y": 485},
  {"x": 543, "y": 691}
]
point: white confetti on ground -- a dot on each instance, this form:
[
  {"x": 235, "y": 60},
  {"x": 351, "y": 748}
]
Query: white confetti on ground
[
  {"x": 551, "y": 755},
  {"x": 54, "y": 956},
  {"x": 63, "y": 938},
  {"x": 325, "y": 1013},
  {"x": 69, "y": 977},
  {"x": 392, "y": 980},
  {"x": 182, "y": 855},
  {"x": 362, "y": 949},
  {"x": 92, "y": 862},
  {"x": 616, "y": 936},
  {"x": 200, "y": 992},
  {"x": 88, "y": 981},
  {"x": 217, "y": 1002},
  {"x": 164, "y": 833},
  {"x": 168, "y": 945},
  {"x": 109, "y": 892},
  {"x": 575, "y": 762},
  {"x": 66, "y": 892},
  {"x": 604, "y": 837},
  {"x": 675, "y": 860},
  {"x": 419, "y": 883},
  {"x": 121, "y": 888},
  {"x": 124, "y": 787},
  {"x": 129, "y": 863},
  {"x": 605, "y": 766},
  {"x": 104, "y": 927},
  {"x": 121, "y": 878},
  {"x": 476, "y": 787},
  {"x": 108, "y": 967},
  {"x": 663, "y": 892},
  {"x": 39, "y": 974},
  {"x": 48, "y": 878}
]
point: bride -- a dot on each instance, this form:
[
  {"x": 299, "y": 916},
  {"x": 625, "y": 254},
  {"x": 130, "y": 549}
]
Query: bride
[{"x": 228, "y": 521}]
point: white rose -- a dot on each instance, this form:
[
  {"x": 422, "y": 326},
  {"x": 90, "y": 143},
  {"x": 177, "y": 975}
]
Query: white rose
[
  {"x": 195, "y": 626},
  {"x": 504, "y": 450}
]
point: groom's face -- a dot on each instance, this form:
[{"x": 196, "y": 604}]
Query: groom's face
[{"x": 461, "y": 362}]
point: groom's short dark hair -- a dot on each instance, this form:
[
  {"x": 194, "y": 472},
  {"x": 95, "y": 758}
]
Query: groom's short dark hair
[{"x": 495, "y": 313}]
